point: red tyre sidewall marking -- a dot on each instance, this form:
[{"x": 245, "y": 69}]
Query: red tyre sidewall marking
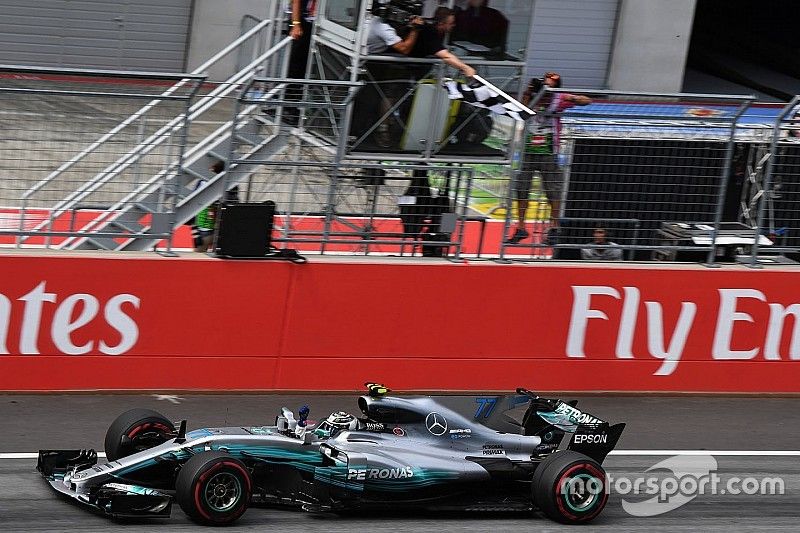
[
  {"x": 201, "y": 480},
  {"x": 132, "y": 433},
  {"x": 560, "y": 496}
]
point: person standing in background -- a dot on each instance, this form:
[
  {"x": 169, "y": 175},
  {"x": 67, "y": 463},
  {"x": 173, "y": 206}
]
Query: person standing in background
[
  {"x": 610, "y": 251},
  {"x": 480, "y": 24},
  {"x": 303, "y": 14},
  {"x": 541, "y": 151}
]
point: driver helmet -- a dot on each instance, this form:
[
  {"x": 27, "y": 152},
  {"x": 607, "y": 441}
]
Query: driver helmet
[
  {"x": 335, "y": 422},
  {"x": 342, "y": 420}
]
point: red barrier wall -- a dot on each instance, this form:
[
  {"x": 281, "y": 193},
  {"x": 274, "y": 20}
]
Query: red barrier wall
[{"x": 83, "y": 322}]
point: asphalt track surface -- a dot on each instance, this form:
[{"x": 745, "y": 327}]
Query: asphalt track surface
[{"x": 757, "y": 429}]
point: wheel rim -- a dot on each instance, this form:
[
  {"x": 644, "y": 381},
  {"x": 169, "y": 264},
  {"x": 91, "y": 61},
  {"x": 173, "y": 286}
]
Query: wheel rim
[
  {"x": 581, "y": 492},
  {"x": 223, "y": 492}
]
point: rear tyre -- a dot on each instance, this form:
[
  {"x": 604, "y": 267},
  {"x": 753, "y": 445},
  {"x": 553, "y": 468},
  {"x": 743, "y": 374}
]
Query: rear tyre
[
  {"x": 136, "y": 430},
  {"x": 569, "y": 487},
  {"x": 213, "y": 488}
]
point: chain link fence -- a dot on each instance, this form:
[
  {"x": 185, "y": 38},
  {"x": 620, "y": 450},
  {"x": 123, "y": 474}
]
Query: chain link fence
[
  {"x": 54, "y": 168},
  {"x": 645, "y": 177},
  {"x": 632, "y": 177},
  {"x": 774, "y": 195}
]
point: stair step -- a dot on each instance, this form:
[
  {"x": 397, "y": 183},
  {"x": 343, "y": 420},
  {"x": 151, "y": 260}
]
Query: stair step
[
  {"x": 199, "y": 175},
  {"x": 252, "y": 140},
  {"x": 103, "y": 243},
  {"x": 219, "y": 156},
  {"x": 127, "y": 225},
  {"x": 146, "y": 207}
]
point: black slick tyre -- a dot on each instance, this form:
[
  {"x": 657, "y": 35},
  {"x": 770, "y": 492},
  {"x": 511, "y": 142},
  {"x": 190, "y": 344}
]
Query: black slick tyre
[
  {"x": 136, "y": 430},
  {"x": 213, "y": 488},
  {"x": 569, "y": 487}
]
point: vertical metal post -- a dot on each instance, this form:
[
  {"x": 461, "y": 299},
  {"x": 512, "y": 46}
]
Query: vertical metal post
[
  {"x": 346, "y": 117},
  {"x": 185, "y": 123},
  {"x": 278, "y": 17},
  {"x": 287, "y": 222},
  {"x": 464, "y": 209},
  {"x": 240, "y": 51},
  {"x": 23, "y": 208},
  {"x": 773, "y": 152},
  {"x": 140, "y": 136},
  {"x": 513, "y": 177},
  {"x": 237, "y": 109},
  {"x": 231, "y": 145},
  {"x": 724, "y": 178}
]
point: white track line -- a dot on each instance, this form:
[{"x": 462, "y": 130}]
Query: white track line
[
  {"x": 33, "y": 455},
  {"x": 623, "y": 453},
  {"x": 731, "y": 453}
]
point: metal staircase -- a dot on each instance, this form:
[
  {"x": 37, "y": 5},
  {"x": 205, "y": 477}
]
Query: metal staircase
[
  {"x": 149, "y": 211},
  {"x": 139, "y": 212}
]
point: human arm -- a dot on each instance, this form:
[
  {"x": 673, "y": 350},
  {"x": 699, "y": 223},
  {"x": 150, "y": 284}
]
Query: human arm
[
  {"x": 564, "y": 101},
  {"x": 456, "y": 63},
  {"x": 406, "y": 45},
  {"x": 577, "y": 99},
  {"x": 297, "y": 28},
  {"x": 526, "y": 98}
]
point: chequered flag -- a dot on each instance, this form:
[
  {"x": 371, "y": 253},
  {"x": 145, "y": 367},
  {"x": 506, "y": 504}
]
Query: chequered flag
[{"x": 483, "y": 94}]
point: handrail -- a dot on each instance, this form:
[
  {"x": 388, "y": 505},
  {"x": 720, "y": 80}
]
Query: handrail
[
  {"x": 89, "y": 73},
  {"x": 146, "y": 108},
  {"x": 694, "y": 96},
  {"x": 158, "y": 137}
]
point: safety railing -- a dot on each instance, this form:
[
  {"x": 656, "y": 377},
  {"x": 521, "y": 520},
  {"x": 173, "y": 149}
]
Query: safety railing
[
  {"x": 48, "y": 112},
  {"x": 114, "y": 167}
]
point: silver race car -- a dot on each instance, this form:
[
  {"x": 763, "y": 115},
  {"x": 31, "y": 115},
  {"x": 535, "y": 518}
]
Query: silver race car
[{"x": 517, "y": 452}]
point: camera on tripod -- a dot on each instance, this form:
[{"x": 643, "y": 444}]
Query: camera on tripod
[{"x": 397, "y": 12}]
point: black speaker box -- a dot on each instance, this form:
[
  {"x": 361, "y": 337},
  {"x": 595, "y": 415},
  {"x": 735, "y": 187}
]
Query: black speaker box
[{"x": 244, "y": 229}]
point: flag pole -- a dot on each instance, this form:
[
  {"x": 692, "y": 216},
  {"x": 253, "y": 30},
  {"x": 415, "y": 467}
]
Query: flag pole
[{"x": 491, "y": 86}]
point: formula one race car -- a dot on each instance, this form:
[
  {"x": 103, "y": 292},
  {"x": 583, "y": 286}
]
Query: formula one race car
[{"x": 406, "y": 452}]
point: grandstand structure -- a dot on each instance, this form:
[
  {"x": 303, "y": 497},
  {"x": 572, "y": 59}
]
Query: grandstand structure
[{"x": 116, "y": 160}]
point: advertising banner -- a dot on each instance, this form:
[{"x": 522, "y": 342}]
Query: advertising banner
[{"x": 88, "y": 323}]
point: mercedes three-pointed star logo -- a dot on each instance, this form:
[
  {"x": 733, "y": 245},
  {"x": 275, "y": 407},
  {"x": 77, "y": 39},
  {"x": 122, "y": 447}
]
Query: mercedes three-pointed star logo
[{"x": 436, "y": 424}]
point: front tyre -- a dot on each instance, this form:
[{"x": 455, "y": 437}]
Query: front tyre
[
  {"x": 213, "y": 488},
  {"x": 136, "y": 430},
  {"x": 570, "y": 488}
]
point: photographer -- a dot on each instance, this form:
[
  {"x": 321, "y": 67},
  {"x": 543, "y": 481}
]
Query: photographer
[
  {"x": 382, "y": 36},
  {"x": 386, "y": 76}
]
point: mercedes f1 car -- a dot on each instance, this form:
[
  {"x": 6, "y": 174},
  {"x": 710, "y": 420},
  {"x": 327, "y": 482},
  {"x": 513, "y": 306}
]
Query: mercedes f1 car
[{"x": 518, "y": 452}]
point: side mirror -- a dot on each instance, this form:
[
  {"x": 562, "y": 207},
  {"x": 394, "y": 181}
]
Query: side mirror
[{"x": 282, "y": 423}]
